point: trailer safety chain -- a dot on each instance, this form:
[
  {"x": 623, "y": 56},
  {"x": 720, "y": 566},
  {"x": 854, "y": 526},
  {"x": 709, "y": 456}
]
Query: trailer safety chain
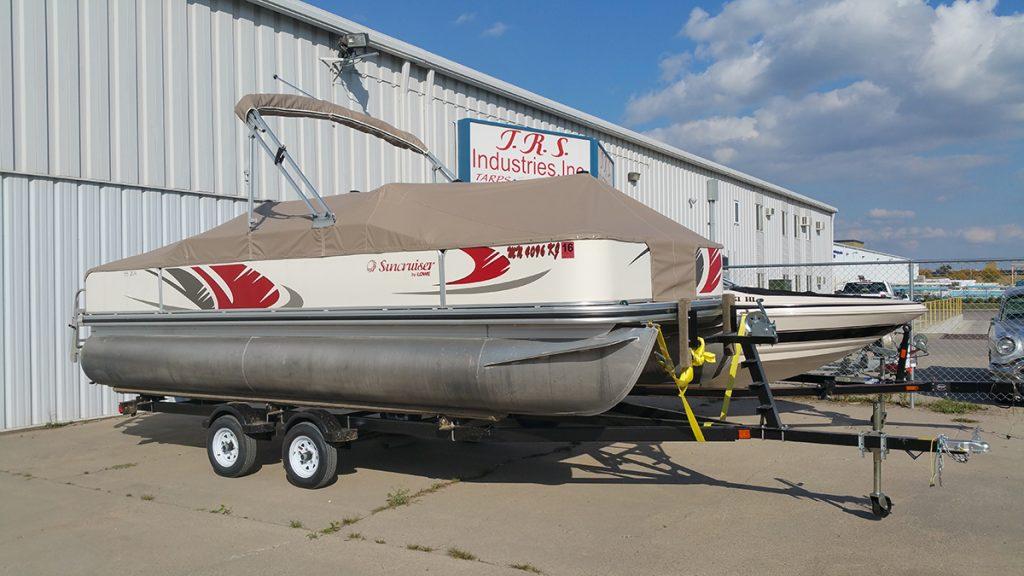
[
  {"x": 941, "y": 445},
  {"x": 698, "y": 357},
  {"x": 734, "y": 365}
]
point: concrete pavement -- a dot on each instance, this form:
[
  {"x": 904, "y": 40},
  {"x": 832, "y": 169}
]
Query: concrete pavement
[{"x": 132, "y": 495}]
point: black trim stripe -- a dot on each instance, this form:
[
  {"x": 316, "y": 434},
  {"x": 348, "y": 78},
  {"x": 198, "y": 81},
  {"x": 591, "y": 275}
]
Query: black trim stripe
[{"x": 836, "y": 334}]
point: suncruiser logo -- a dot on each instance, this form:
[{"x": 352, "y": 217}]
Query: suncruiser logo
[{"x": 414, "y": 267}]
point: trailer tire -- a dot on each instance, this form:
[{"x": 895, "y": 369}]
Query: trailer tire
[
  {"x": 232, "y": 453},
  {"x": 309, "y": 461}
]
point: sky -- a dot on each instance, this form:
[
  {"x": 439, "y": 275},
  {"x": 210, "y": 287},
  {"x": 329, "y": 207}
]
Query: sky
[{"x": 908, "y": 116}]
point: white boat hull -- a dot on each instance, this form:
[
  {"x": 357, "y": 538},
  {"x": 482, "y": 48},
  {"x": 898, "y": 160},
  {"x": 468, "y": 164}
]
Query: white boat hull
[{"x": 814, "y": 330}]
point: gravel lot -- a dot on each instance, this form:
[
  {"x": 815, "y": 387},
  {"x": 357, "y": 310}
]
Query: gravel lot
[{"x": 133, "y": 495}]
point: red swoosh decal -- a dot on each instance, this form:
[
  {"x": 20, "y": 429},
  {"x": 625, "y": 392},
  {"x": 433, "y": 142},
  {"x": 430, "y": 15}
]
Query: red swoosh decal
[
  {"x": 488, "y": 264},
  {"x": 715, "y": 271},
  {"x": 249, "y": 288}
]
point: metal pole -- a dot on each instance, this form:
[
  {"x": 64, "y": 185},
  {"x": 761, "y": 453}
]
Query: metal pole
[
  {"x": 881, "y": 505},
  {"x": 251, "y": 163},
  {"x": 910, "y": 294},
  {"x": 442, "y": 290}
]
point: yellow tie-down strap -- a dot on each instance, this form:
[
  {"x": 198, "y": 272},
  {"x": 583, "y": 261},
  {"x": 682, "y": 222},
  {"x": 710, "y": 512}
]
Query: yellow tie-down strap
[
  {"x": 699, "y": 356},
  {"x": 733, "y": 369}
]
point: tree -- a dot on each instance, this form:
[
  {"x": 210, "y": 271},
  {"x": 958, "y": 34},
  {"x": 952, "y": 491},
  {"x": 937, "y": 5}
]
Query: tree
[
  {"x": 991, "y": 273},
  {"x": 943, "y": 270}
]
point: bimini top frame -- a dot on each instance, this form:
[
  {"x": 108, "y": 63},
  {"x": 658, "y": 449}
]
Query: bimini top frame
[{"x": 253, "y": 107}]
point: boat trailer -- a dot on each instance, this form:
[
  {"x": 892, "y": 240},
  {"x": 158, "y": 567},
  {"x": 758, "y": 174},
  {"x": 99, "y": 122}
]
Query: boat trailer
[{"x": 313, "y": 434}]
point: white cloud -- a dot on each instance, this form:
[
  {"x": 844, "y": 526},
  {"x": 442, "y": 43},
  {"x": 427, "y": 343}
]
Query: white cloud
[
  {"x": 979, "y": 235},
  {"x": 903, "y": 235},
  {"x": 870, "y": 89},
  {"x": 673, "y": 65},
  {"x": 885, "y": 214},
  {"x": 992, "y": 234},
  {"x": 497, "y": 29},
  {"x": 464, "y": 18}
]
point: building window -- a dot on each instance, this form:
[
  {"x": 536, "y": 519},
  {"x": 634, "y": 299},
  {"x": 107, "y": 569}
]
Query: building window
[
  {"x": 796, "y": 226},
  {"x": 820, "y": 282},
  {"x": 759, "y": 217},
  {"x": 736, "y": 212},
  {"x": 809, "y": 285},
  {"x": 760, "y": 279},
  {"x": 785, "y": 219},
  {"x": 797, "y": 282}
]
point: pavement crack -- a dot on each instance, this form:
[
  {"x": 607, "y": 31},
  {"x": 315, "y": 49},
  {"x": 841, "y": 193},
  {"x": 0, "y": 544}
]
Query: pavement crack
[{"x": 399, "y": 498}]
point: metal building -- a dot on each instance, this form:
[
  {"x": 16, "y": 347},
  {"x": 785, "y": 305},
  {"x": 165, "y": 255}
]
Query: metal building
[{"x": 117, "y": 136}]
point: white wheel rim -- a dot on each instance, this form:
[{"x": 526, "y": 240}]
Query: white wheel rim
[
  {"x": 225, "y": 447},
  {"x": 303, "y": 457}
]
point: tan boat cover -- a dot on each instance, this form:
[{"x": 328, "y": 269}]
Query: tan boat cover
[
  {"x": 304, "y": 107},
  {"x": 409, "y": 217}
]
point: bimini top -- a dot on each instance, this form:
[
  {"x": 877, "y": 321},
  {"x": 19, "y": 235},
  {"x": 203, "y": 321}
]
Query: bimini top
[
  {"x": 411, "y": 217},
  {"x": 304, "y": 107}
]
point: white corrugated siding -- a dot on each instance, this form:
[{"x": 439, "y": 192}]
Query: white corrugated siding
[{"x": 116, "y": 118}]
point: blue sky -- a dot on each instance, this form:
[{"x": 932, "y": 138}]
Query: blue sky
[{"x": 908, "y": 117}]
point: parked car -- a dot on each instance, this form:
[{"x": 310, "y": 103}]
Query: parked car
[
  {"x": 1006, "y": 338},
  {"x": 868, "y": 288}
]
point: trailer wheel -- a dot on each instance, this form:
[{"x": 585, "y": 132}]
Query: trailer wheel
[
  {"x": 881, "y": 505},
  {"x": 309, "y": 460},
  {"x": 232, "y": 453}
]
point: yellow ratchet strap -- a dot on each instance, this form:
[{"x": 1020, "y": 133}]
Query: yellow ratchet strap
[
  {"x": 734, "y": 365},
  {"x": 698, "y": 356}
]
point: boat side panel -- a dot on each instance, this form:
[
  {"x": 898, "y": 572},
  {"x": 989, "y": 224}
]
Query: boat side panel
[{"x": 554, "y": 272}]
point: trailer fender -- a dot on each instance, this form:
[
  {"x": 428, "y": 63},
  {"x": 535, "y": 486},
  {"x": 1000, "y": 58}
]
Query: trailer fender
[
  {"x": 254, "y": 421},
  {"x": 330, "y": 426}
]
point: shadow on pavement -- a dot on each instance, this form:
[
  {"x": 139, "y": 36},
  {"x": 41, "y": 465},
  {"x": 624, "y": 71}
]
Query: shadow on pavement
[{"x": 540, "y": 463}]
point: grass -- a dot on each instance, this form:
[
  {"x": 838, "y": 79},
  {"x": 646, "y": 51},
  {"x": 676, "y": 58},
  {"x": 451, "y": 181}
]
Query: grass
[
  {"x": 964, "y": 420},
  {"x": 947, "y": 406},
  {"x": 398, "y": 497},
  {"x": 403, "y": 497},
  {"x": 419, "y": 548},
  {"x": 312, "y": 535},
  {"x": 295, "y": 524},
  {"x": 350, "y": 520},
  {"x": 55, "y": 424},
  {"x": 355, "y": 536},
  {"x": 221, "y": 510},
  {"x": 379, "y": 541},
  {"x": 331, "y": 529},
  {"x": 147, "y": 497},
  {"x": 124, "y": 466},
  {"x": 526, "y": 568},
  {"x": 461, "y": 554}
]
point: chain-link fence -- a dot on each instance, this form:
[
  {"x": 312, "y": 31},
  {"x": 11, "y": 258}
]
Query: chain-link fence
[{"x": 962, "y": 329}]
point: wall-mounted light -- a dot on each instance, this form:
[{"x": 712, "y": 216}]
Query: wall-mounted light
[
  {"x": 633, "y": 177},
  {"x": 691, "y": 201}
]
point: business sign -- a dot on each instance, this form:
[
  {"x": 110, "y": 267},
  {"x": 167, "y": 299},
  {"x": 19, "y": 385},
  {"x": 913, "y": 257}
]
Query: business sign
[{"x": 495, "y": 152}]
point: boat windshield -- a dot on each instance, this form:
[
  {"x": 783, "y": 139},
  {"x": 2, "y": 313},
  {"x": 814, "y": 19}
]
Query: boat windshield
[
  {"x": 1013, "y": 309},
  {"x": 864, "y": 288}
]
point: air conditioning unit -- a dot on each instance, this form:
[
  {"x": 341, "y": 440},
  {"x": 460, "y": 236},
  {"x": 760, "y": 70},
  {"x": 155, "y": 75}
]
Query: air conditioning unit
[
  {"x": 804, "y": 222},
  {"x": 819, "y": 226}
]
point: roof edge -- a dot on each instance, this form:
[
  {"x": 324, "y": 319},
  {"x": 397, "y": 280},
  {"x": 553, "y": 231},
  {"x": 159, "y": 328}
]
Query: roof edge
[{"x": 328, "y": 20}]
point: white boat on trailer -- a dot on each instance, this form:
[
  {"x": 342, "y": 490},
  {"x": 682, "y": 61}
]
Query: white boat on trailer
[{"x": 814, "y": 329}]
